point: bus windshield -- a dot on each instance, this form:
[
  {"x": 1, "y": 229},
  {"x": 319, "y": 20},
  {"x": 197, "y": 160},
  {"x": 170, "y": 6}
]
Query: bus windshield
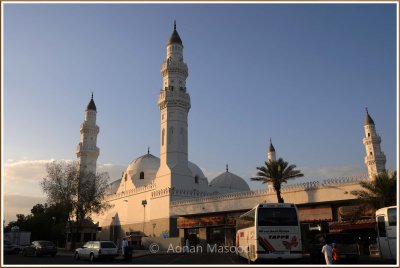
[{"x": 277, "y": 217}]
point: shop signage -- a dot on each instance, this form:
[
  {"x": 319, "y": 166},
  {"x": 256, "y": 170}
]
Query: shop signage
[
  {"x": 316, "y": 214},
  {"x": 205, "y": 221}
]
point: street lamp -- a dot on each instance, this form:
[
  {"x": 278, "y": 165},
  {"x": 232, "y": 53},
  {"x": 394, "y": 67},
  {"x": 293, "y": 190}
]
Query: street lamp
[
  {"x": 144, "y": 203},
  {"x": 113, "y": 228},
  {"x": 54, "y": 234}
]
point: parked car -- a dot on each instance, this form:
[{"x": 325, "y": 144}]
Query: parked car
[
  {"x": 94, "y": 250},
  {"x": 346, "y": 246},
  {"x": 39, "y": 248},
  {"x": 10, "y": 248}
]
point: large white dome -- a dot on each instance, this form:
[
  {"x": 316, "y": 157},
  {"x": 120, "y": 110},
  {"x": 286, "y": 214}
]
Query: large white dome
[
  {"x": 229, "y": 182},
  {"x": 143, "y": 169}
]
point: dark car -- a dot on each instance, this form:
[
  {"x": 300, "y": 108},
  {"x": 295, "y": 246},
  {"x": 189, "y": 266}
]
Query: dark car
[
  {"x": 94, "y": 250},
  {"x": 10, "y": 248},
  {"x": 346, "y": 246},
  {"x": 40, "y": 248}
]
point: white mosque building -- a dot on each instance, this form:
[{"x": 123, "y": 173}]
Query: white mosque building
[{"x": 154, "y": 192}]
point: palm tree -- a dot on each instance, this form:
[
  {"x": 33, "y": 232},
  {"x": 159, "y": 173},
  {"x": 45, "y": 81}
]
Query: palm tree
[
  {"x": 277, "y": 172},
  {"x": 378, "y": 193}
]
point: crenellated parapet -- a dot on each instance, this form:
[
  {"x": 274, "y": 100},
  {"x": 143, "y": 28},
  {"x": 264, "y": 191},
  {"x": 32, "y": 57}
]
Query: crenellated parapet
[
  {"x": 287, "y": 190},
  {"x": 140, "y": 189}
]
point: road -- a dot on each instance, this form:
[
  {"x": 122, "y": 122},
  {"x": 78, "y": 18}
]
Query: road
[{"x": 161, "y": 259}]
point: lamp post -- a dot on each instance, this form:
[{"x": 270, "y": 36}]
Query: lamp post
[
  {"x": 54, "y": 231},
  {"x": 113, "y": 229},
  {"x": 144, "y": 203}
]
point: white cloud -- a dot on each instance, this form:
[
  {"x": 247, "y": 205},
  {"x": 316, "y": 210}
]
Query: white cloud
[
  {"x": 22, "y": 184},
  {"x": 19, "y": 204},
  {"x": 114, "y": 171},
  {"x": 332, "y": 172}
]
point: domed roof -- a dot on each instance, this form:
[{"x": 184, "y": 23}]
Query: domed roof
[
  {"x": 368, "y": 120},
  {"x": 230, "y": 181},
  {"x": 175, "y": 38},
  {"x": 91, "y": 105},
  {"x": 147, "y": 161},
  {"x": 196, "y": 171},
  {"x": 113, "y": 187}
]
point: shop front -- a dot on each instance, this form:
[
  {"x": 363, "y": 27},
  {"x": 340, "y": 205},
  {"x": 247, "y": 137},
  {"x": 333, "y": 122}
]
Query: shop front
[{"x": 215, "y": 229}]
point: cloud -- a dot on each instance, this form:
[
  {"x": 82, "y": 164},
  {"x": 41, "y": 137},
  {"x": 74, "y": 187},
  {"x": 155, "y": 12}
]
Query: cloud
[
  {"x": 25, "y": 170},
  {"x": 114, "y": 171},
  {"x": 19, "y": 204},
  {"x": 22, "y": 188},
  {"x": 332, "y": 172}
]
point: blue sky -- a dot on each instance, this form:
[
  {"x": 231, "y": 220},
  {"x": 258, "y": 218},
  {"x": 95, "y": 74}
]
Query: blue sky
[{"x": 301, "y": 74}]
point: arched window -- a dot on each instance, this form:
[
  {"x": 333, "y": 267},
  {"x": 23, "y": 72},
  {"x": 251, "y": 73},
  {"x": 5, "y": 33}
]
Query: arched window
[
  {"x": 196, "y": 179},
  {"x": 141, "y": 175}
]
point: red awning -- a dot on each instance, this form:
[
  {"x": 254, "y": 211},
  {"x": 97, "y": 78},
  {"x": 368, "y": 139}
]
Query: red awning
[{"x": 336, "y": 227}]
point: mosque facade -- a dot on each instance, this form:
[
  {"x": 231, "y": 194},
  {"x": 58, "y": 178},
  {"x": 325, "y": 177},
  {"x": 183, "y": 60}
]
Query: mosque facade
[{"x": 163, "y": 196}]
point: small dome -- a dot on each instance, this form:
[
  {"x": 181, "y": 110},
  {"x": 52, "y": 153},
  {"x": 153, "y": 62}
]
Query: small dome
[
  {"x": 148, "y": 164},
  {"x": 228, "y": 181},
  {"x": 113, "y": 187},
  {"x": 196, "y": 171},
  {"x": 175, "y": 38},
  {"x": 368, "y": 120},
  {"x": 91, "y": 105}
]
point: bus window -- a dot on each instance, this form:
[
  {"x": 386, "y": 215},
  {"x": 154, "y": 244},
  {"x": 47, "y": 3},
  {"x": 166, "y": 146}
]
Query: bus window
[
  {"x": 392, "y": 216},
  {"x": 277, "y": 217},
  {"x": 381, "y": 226}
]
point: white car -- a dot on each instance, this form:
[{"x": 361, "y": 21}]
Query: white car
[{"x": 94, "y": 250}]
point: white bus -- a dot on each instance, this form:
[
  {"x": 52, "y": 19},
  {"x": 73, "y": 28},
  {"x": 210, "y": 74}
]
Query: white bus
[
  {"x": 386, "y": 225},
  {"x": 269, "y": 231}
]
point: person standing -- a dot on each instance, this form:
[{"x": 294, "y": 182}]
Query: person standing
[
  {"x": 335, "y": 255},
  {"x": 125, "y": 246},
  {"x": 327, "y": 251}
]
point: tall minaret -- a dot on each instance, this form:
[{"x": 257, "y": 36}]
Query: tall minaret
[
  {"x": 87, "y": 151},
  {"x": 375, "y": 158},
  {"x": 174, "y": 104},
  {"x": 271, "y": 152}
]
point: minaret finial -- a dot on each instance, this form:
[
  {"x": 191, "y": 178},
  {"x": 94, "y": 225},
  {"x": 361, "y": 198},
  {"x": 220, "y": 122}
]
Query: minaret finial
[
  {"x": 366, "y": 109},
  {"x": 92, "y": 95},
  {"x": 148, "y": 150},
  {"x": 174, "y": 25},
  {"x": 227, "y": 168}
]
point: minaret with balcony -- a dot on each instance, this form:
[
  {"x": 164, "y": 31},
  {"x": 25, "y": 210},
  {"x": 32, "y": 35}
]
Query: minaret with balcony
[
  {"x": 375, "y": 158},
  {"x": 174, "y": 105},
  {"x": 87, "y": 151}
]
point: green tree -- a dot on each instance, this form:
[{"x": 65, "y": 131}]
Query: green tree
[
  {"x": 377, "y": 193},
  {"x": 277, "y": 172},
  {"x": 78, "y": 195},
  {"x": 45, "y": 223}
]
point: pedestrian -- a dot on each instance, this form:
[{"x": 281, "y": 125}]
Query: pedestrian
[
  {"x": 187, "y": 244},
  {"x": 125, "y": 246},
  {"x": 327, "y": 251},
  {"x": 335, "y": 255}
]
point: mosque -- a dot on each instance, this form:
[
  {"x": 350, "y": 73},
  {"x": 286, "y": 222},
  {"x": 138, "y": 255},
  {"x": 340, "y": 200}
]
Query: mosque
[{"x": 169, "y": 196}]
